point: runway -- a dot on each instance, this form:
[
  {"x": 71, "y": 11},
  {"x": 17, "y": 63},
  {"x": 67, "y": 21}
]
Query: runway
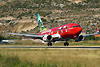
[{"x": 59, "y": 47}]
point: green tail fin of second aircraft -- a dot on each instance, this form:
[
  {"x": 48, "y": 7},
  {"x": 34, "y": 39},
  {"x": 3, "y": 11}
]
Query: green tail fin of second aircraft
[{"x": 40, "y": 24}]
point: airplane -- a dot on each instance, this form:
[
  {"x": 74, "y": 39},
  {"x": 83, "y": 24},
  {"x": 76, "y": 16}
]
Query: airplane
[{"x": 61, "y": 33}]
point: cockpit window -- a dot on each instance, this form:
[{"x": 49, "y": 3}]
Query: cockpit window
[{"x": 76, "y": 26}]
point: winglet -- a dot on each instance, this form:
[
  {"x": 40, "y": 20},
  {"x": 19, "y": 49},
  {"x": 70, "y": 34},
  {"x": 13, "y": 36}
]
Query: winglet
[
  {"x": 97, "y": 29},
  {"x": 2, "y": 29}
]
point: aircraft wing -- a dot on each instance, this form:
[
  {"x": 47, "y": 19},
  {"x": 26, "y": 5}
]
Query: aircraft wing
[
  {"x": 24, "y": 35},
  {"x": 93, "y": 33},
  {"x": 28, "y": 35}
]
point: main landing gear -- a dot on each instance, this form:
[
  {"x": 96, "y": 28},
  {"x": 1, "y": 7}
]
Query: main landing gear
[
  {"x": 49, "y": 44},
  {"x": 66, "y": 43}
]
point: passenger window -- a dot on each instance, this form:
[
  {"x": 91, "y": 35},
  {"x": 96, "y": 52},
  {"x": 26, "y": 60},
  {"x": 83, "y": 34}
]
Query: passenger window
[
  {"x": 57, "y": 31},
  {"x": 62, "y": 30},
  {"x": 66, "y": 29}
]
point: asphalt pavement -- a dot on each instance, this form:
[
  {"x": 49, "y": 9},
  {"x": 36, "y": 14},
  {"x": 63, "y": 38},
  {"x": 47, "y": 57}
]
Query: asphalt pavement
[{"x": 62, "y": 47}]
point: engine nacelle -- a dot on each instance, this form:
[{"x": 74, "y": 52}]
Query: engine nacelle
[
  {"x": 47, "y": 38},
  {"x": 79, "y": 38}
]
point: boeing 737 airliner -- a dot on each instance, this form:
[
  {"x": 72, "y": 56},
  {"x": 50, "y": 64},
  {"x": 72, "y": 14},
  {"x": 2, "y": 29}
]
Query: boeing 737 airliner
[{"x": 61, "y": 33}]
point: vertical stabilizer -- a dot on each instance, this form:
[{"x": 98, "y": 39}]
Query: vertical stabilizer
[{"x": 40, "y": 24}]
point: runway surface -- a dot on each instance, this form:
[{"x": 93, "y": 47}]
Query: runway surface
[{"x": 62, "y": 47}]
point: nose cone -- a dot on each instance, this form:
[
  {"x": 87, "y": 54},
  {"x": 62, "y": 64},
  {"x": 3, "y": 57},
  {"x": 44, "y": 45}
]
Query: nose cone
[{"x": 79, "y": 30}]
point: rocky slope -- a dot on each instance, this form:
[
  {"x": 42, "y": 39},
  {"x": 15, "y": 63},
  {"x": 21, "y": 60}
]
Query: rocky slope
[{"x": 20, "y": 15}]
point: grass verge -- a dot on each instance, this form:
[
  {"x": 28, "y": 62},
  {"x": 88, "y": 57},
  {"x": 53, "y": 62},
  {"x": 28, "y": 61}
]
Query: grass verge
[{"x": 49, "y": 58}]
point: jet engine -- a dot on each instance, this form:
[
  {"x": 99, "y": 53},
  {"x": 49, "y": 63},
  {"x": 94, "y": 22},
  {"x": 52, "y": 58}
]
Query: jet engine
[
  {"x": 47, "y": 38},
  {"x": 79, "y": 38}
]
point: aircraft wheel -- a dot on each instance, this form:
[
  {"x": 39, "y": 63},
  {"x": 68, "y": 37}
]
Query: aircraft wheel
[
  {"x": 66, "y": 43},
  {"x": 49, "y": 44}
]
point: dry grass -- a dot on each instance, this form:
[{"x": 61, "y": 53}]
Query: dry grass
[{"x": 58, "y": 57}]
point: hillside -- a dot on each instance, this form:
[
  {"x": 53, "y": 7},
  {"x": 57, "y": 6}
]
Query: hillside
[
  {"x": 56, "y": 12},
  {"x": 21, "y": 27}
]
